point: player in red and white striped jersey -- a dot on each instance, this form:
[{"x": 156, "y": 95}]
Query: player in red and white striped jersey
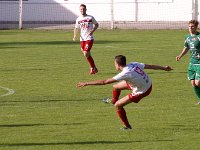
[{"x": 87, "y": 25}]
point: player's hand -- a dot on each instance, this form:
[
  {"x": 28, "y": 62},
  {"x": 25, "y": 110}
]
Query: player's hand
[
  {"x": 81, "y": 84},
  {"x": 74, "y": 38},
  {"x": 177, "y": 58},
  {"x": 168, "y": 68}
]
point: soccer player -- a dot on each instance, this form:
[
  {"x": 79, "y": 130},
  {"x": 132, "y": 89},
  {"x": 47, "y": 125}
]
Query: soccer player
[
  {"x": 132, "y": 77},
  {"x": 87, "y": 25},
  {"x": 192, "y": 44}
]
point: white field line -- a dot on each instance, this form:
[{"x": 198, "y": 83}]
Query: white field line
[{"x": 10, "y": 91}]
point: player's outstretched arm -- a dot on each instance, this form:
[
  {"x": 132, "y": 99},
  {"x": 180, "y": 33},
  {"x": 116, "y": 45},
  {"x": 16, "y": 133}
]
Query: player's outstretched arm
[
  {"x": 157, "y": 67},
  {"x": 97, "y": 82}
]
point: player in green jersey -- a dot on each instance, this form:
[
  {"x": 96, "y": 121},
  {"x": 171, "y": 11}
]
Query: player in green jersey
[{"x": 192, "y": 44}]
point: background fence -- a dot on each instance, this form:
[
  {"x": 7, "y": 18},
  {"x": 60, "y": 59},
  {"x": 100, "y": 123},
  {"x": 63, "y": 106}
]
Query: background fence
[{"x": 125, "y": 14}]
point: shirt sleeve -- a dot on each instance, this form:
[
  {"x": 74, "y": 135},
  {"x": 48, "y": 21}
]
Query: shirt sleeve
[
  {"x": 94, "y": 20},
  {"x": 76, "y": 24},
  {"x": 141, "y": 65},
  {"x": 186, "y": 43},
  {"x": 120, "y": 76}
]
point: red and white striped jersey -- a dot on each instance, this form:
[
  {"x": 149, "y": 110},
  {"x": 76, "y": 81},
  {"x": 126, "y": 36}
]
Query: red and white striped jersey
[{"x": 86, "y": 25}]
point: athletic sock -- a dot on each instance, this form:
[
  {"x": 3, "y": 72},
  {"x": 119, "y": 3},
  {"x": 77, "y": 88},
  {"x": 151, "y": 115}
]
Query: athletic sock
[
  {"x": 197, "y": 91},
  {"x": 91, "y": 61},
  {"x": 123, "y": 117},
  {"x": 116, "y": 94}
]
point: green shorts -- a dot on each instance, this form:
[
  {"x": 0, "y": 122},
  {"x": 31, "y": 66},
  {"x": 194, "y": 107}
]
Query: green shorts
[{"x": 193, "y": 71}]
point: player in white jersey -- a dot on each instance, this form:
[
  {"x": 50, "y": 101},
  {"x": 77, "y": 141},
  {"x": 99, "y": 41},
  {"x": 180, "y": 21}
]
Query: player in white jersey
[
  {"x": 132, "y": 77},
  {"x": 135, "y": 77},
  {"x": 87, "y": 25}
]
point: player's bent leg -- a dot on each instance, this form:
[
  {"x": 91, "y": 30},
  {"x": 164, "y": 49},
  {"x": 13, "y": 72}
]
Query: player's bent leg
[
  {"x": 122, "y": 85},
  {"x": 122, "y": 113},
  {"x": 126, "y": 100},
  {"x": 122, "y": 102},
  {"x": 117, "y": 90}
]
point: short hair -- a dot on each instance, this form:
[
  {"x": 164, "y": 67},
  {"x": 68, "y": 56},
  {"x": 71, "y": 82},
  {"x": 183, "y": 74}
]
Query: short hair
[
  {"x": 83, "y": 5},
  {"x": 120, "y": 60},
  {"x": 195, "y": 22}
]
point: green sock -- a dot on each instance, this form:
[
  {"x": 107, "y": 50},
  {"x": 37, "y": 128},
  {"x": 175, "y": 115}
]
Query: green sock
[{"x": 197, "y": 91}]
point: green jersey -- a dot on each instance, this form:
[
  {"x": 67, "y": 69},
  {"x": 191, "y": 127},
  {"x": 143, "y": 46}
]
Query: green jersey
[{"x": 193, "y": 43}]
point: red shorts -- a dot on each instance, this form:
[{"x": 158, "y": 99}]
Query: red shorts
[
  {"x": 86, "y": 45},
  {"x": 137, "y": 97}
]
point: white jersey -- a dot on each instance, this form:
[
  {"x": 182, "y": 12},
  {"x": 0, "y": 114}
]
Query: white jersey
[
  {"x": 135, "y": 76},
  {"x": 86, "y": 25}
]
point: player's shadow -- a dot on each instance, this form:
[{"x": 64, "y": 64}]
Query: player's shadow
[
  {"x": 37, "y": 43},
  {"x": 5, "y": 102},
  {"x": 79, "y": 143},
  {"x": 37, "y": 124},
  {"x": 22, "y": 44}
]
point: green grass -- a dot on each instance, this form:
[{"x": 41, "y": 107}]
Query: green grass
[{"x": 47, "y": 111}]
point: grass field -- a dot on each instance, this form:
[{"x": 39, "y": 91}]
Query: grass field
[{"x": 47, "y": 111}]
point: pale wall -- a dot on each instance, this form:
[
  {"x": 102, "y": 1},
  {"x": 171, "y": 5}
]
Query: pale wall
[{"x": 124, "y": 10}]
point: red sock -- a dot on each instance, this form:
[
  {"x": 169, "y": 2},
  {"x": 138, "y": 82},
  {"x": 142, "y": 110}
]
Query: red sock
[
  {"x": 91, "y": 61},
  {"x": 116, "y": 94},
  {"x": 123, "y": 117}
]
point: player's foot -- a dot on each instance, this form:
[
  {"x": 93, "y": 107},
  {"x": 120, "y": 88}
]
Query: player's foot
[
  {"x": 126, "y": 128},
  {"x": 93, "y": 70},
  {"x": 106, "y": 100}
]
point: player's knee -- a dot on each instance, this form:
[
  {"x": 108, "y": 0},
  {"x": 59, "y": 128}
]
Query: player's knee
[
  {"x": 87, "y": 54},
  {"x": 115, "y": 87},
  {"x": 118, "y": 105},
  {"x": 195, "y": 83}
]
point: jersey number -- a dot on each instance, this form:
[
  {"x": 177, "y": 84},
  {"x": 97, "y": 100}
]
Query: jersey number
[{"x": 142, "y": 73}]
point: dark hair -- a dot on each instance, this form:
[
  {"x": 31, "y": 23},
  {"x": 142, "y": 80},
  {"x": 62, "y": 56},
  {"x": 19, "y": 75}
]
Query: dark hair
[
  {"x": 195, "y": 22},
  {"x": 120, "y": 60},
  {"x": 83, "y": 5}
]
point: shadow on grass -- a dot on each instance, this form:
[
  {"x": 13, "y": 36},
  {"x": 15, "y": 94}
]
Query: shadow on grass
[
  {"x": 17, "y": 44},
  {"x": 183, "y": 127},
  {"x": 79, "y": 143},
  {"x": 37, "y": 43},
  {"x": 11, "y": 47},
  {"x": 2, "y": 102},
  {"x": 23, "y": 69},
  {"x": 38, "y": 124}
]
